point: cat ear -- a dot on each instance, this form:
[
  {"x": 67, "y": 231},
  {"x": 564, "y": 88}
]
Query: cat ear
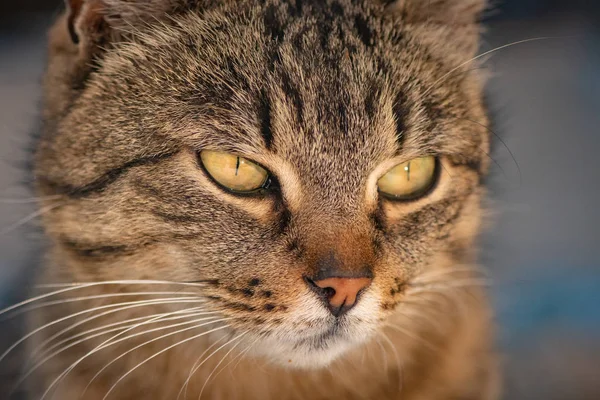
[
  {"x": 95, "y": 21},
  {"x": 86, "y": 21},
  {"x": 447, "y": 12},
  {"x": 458, "y": 21}
]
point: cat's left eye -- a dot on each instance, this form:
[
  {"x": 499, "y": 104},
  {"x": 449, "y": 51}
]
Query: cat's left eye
[
  {"x": 234, "y": 172},
  {"x": 409, "y": 180}
]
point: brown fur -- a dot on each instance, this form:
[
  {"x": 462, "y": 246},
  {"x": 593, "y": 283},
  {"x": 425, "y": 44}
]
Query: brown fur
[{"x": 327, "y": 95}]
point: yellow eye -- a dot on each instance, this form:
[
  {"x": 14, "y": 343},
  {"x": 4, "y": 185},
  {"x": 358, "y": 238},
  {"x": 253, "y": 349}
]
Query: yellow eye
[
  {"x": 409, "y": 180},
  {"x": 233, "y": 172}
]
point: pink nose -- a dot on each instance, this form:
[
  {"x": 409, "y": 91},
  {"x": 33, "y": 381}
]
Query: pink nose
[{"x": 340, "y": 294}]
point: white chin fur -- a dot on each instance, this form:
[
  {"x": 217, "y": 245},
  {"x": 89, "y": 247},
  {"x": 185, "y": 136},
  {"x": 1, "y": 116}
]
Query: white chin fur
[
  {"x": 313, "y": 348},
  {"x": 303, "y": 356}
]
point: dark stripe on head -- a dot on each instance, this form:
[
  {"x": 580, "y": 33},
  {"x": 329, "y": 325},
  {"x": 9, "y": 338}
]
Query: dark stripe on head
[
  {"x": 372, "y": 100},
  {"x": 104, "y": 181},
  {"x": 337, "y": 9},
  {"x": 400, "y": 109},
  {"x": 292, "y": 93},
  {"x": 264, "y": 115},
  {"x": 364, "y": 31},
  {"x": 272, "y": 23}
]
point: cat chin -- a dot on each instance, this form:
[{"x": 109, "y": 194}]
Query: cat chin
[
  {"x": 311, "y": 353},
  {"x": 306, "y": 357}
]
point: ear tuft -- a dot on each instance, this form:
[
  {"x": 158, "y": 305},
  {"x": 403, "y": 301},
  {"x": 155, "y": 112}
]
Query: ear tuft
[{"x": 447, "y": 12}]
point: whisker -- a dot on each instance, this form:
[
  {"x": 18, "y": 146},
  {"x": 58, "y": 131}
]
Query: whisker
[
  {"x": 383, "y": 355},
  {"x": 156, "y": 355},
  {"x": 67, "y": 287},
  {"x": 95, "y": 297},
  {"x": 75, "y": 325},
  {"x": 447, "y": 272},
  {"x": 220, "y": 361},
  {"x": 132, "y": 305},
  {"x": 28, "y": 200},
  {"x": 503, "y": 143},
  {"x": 101, "y": 346},
  {"x": 412, "y": 336},
  {"x": 210, "y": 320},
  {"x": 28, "y": 218},
  {"x": 451, "y": 297},
  {"x": 415, "y": 315},
  {"x": 185, "y": 313},
  {"x": 185, "y": 384},
  {"x": 240, "y": 356},
  {"x": 49, "y": 357},
  {"x": 458, "y": 283},
  {"x": 396, "y": 355},
  {"x": 432, "y": 87}
]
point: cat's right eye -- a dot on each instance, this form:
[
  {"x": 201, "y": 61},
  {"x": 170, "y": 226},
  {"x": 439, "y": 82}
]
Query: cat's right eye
[
  {"x": 233, "y": 172},
  {"x": 409, "y": 180}
]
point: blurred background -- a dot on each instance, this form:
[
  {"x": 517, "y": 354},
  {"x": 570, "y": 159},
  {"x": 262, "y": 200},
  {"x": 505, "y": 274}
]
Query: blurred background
[{"x": 542, "y": 247}]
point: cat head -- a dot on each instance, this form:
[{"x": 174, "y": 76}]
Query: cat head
[{"x": 305, "y": 161}]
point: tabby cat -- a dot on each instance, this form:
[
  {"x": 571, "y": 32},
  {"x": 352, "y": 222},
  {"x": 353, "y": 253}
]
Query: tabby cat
[{"x": 262, "y": 199}]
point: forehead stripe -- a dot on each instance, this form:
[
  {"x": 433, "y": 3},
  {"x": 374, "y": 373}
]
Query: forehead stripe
[{"x": 264, "y": 116}]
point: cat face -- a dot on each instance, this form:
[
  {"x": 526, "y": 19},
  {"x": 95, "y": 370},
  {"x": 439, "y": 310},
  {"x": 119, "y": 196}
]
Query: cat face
[{"x": 323, "y": 99}]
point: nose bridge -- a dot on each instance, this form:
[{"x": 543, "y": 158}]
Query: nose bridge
[
  {"x": 341, "y": 250},
  {"x": 339, "y": 258}
]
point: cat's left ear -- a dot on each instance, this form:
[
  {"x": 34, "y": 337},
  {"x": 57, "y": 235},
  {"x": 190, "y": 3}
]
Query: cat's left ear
[
  {"x": 445, "y": 12},
  {"x": 96, "y": 22},
  {"x": 451, "y": 27}
]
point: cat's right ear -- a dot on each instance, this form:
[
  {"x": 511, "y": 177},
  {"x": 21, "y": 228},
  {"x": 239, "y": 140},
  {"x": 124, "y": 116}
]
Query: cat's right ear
[
  {"x": 88, "y": 26},
  {"x": 447, "y": 12},
  {"x": 73, "y": 10}
]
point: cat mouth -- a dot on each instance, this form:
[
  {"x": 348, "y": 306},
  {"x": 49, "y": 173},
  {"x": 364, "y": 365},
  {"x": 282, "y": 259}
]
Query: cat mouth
[
  {"x": 338, "y": 332},
  {"x": 321, "y": 340},
  {"x": 316, "y": 345}
]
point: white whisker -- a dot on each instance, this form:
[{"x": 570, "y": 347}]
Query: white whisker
[
  {"x": 210, "y": 320},
  {"x": 198, "y": 360},
  {"x": 396, "y": 355},
  {"x": 101, "y": 346},
  {"x": 156, "y": 355},
  {"x": 446, "y": 272},
  {"x": 419, "y": 315},
  {"x": 95, "y": 297},
  {"x": 49, "y": 357},
  {"x": 67, "y": 287},
  {"x": 104, "y": 329},
  {"x": 452, "y": 284},
  {"x": 132, "y": 305},
  {"x": 28, "y": 200},
  {"x": 240, "y": 356},
  {"x": 482, "y": 55},
  {"x": 385, "y": 361},
  {"x": 153, "y": 302},
  {"x": 28, "y": 218},
  {"x": 220, "y": 361},
  {"x": 411, "y": 335}
]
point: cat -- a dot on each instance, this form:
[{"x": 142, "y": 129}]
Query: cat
[{"x": 262, "y": 199}]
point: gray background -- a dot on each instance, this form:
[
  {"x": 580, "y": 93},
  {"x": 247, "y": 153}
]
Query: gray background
[{"x": 542, "y": 246}]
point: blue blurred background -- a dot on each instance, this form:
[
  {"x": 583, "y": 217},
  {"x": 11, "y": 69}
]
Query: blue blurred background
[{"x": 542, "y": 244}]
